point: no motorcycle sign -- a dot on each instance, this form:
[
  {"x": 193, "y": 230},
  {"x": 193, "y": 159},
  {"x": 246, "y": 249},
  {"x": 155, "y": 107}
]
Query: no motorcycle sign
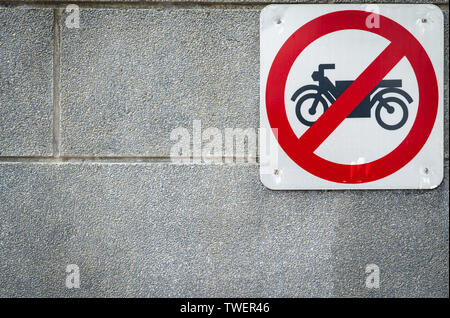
[{"x": 352, "y": 96}]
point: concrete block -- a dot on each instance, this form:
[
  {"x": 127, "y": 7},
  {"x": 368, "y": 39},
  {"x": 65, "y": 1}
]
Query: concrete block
[
  {"x": 26, "y": 61},
  {"x": 169, "y": 230},
  {"x": 129, "y": 77}
]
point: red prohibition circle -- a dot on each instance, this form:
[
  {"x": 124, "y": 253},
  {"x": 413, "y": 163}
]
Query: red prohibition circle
[{"x": 301, "y": 150}]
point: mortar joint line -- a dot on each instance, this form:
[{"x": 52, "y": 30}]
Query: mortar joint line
[{"x": 56, "y": 140}]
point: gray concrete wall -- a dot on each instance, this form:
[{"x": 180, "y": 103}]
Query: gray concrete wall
[{"x": 85, "y": 174}]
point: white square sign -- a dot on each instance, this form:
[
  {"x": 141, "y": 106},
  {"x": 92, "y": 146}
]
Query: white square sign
[{"x": 351, "y": 96}]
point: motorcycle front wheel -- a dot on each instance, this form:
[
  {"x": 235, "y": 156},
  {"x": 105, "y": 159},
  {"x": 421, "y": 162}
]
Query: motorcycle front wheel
[
  {"x": 391, "y": 103},
  {"x": 303, "y": 107}
]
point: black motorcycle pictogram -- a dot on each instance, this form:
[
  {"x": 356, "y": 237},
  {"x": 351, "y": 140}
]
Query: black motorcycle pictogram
[{"x": 386, "y": 95}]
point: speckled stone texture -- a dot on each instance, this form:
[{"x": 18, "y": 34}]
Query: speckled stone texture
[
  {"x": 196, "y": 230},
  {"x": 157, "y": 229},
  {"x": 26, "y": 61},
  {"x": 446, "y": 67},
  {"x": 129, "y": 77},
  {"x": 149, "y": 2},
  {"x": 160, "y": 230}
]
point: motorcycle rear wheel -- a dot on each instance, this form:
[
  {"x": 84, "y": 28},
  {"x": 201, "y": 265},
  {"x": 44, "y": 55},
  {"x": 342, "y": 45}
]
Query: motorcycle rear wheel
[{"x": 390, "y": 101}]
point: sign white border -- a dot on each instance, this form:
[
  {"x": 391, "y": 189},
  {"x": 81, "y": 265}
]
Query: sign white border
[{"x": 425, "y": 23}]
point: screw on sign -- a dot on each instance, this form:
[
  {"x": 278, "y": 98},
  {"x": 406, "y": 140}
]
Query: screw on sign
[{"x": 351, "y": 98}]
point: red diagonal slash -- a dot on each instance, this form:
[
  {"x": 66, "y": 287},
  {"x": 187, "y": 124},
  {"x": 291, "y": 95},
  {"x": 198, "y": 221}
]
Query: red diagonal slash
[{"x": 351, "y": 97}]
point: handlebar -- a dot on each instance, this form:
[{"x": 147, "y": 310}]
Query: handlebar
[{"x": 323, "y": 67}]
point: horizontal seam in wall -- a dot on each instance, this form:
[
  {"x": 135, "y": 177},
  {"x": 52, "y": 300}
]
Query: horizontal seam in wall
[
  {"x": 137, "y": 160},
  {"x": 124, "y": 159}
]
